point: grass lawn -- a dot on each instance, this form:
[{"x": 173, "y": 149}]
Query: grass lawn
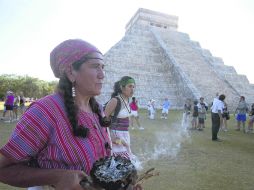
[{"x": 186, "y": 160}]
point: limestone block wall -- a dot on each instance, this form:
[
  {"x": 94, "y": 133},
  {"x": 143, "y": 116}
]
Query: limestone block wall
[
  {"x": 145, "y": 17},
  {"x": 239, "y": 83},
  {"x": 185, "y": 86},
  {"x": 167, "y": 63},
  {"x": 194, "y": 64},
  {"x": 138, "y": 55}
]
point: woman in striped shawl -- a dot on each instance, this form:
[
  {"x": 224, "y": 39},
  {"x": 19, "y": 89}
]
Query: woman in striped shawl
[{"x": 60, "y": 136}]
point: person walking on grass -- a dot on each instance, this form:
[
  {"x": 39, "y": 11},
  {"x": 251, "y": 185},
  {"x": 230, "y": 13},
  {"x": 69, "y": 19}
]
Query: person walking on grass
[
  {"x": 134, "y": 114},
  {"x": 9, "y": 102},
  {"x": 241, "y": 111},
  {"x": 186, "y": 113},
  {"x": 202, "y": 108},
  {"x": 216, "y": 115},
  {"x": 251, "y": 119},
  {"x": 119, "y": 129},
  {"x": 165, "y": 109},
  {"x": 194, "y": 122},
  {"x": 15, "y": 107},
  {"x": 152, "y": 110},
  {"x": 148, "y": 105},
  {"x": 225, "y": 118},
  {"x": 22, "y": 102}
]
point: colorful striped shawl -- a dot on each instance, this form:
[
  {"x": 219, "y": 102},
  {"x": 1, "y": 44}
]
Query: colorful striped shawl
[{"x": 44, "y": 132}]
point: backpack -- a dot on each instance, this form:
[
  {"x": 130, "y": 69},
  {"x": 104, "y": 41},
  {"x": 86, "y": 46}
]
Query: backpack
[
  {"x": 117, "y": 109},
  {"x": 195, "y": 111},
  {"x": 205, "y": 106}
]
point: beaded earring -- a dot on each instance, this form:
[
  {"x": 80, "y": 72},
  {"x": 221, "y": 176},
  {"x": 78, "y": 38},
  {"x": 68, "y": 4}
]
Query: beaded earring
[{"x": 73, "y": 90}]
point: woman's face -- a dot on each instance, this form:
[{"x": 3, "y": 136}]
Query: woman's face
[
  {"x": 128, "y": 90},
  {"x": 89, "y": 77}
]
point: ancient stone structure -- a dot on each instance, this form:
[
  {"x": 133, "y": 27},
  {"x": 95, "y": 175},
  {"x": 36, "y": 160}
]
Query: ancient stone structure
[{"x": 167, "y": 63}]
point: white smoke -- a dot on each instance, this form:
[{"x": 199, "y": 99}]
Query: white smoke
[{"x": 166, "y": 143}]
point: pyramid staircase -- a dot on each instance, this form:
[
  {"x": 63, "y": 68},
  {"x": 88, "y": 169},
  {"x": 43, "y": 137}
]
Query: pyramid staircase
[{"x": 166, "y": 63}]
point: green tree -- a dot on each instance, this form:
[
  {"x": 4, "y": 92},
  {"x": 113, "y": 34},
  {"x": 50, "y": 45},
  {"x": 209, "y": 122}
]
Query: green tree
[{"x": 29, "y": 86}]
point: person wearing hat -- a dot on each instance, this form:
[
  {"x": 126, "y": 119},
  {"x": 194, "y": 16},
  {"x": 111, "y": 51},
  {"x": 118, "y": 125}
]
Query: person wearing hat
[
  {"x": 152, "y": 110},
  {"x": 60, "y": 136}
]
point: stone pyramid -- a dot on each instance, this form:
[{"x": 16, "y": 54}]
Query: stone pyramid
[{"x": 167, "y": 63}]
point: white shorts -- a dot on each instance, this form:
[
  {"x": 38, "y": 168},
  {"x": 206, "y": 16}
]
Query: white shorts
[
  {"x": 120, "y": 148},
  {"x": 134, "y": 113},
  {"x": 164, "y": 110}
]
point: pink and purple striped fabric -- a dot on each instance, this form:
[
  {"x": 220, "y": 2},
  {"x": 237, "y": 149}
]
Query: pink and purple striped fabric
[
  {"x": 67, "y": 52},
  {"x": 121, "y": 124},
  {"x": 44, "y": 131}
]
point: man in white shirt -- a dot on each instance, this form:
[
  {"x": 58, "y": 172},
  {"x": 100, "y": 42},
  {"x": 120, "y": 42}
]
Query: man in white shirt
[
  {"x": 217, "y": 110},
  {"x": 215, "y": 99}
]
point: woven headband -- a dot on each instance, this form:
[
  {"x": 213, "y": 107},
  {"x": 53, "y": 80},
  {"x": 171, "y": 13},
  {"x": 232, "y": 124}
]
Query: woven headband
[{"x": 129, "y": 81}]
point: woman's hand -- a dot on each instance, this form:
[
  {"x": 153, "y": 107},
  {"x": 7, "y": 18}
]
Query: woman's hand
[
  {"x": 115, "y": 139},
  {"x": 71, "y": 180},
  {"x": 135, "y": 187},
  {"x": 138, "y": 187}
]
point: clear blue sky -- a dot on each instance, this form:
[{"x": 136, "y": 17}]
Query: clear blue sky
[{"x": 29, "y": 29}]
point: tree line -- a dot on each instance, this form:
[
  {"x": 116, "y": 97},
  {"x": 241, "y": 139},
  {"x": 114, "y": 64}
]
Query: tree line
[{"x": 29, "y": 86}]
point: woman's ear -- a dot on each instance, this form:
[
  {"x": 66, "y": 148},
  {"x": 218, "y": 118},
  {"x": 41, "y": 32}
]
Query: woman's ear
[{"x": 70, "y": 73}]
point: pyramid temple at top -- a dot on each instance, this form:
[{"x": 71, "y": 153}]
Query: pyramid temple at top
[{"x": 167, "y": 63}]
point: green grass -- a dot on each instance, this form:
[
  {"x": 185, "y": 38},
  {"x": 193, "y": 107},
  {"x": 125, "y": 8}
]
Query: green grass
[{"x": 187, "y": 160}]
